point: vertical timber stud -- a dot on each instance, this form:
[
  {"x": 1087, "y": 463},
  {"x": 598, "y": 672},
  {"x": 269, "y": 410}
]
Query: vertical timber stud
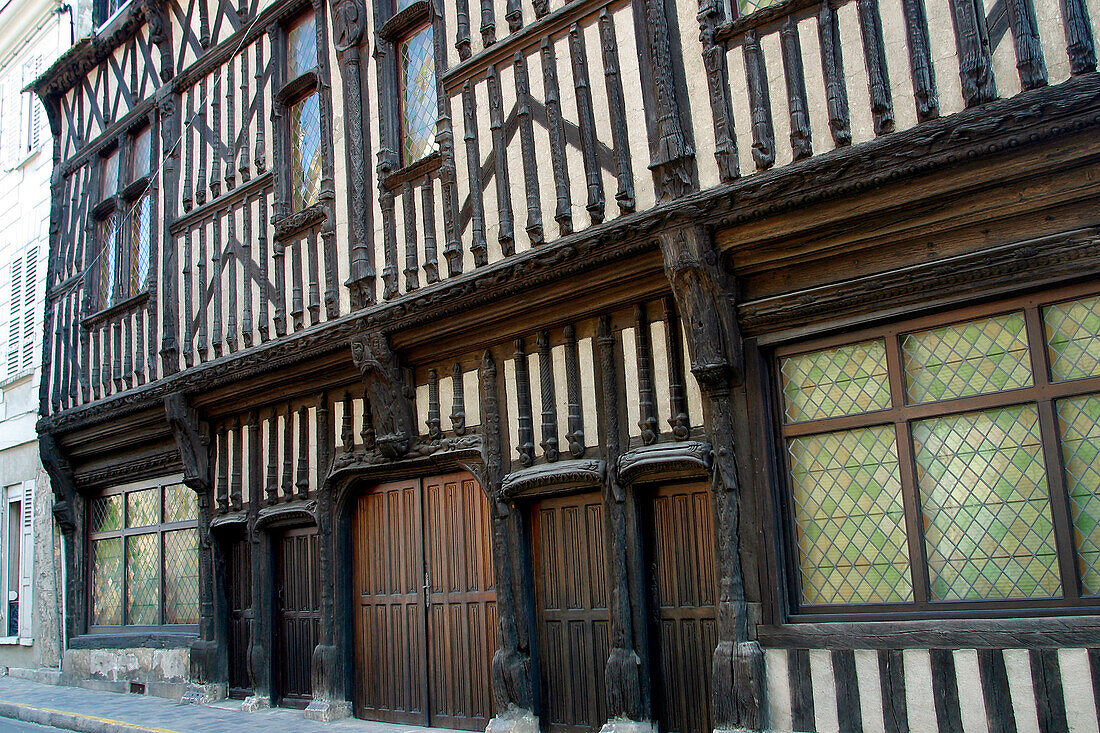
[
  {"x": 703, "y": 297},
  {"x": 673, "y": 157},
  {"x": 169, "y": 108},
  {"x": 209, "y": 671},
  {"x": 511, "y": 672}
]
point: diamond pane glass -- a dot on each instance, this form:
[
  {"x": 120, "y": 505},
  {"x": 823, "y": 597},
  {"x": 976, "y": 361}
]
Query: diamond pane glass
[
  {"x": 108, "y": 180},
  {"x": 142, "y": 579},
  {"x": 1073, "y": 338},
  {"x": 849, "y": 518},
  {"x": 141, "y": 153},
  {"x": 105, "y": 513},
  {"x": 107, "y": 582},
  {"x": 107, "y": 236},
  {"x": 301, "y": 42},
  {"x": 1079, "y": 426},
  {"x": 748, "y": 7},
  {"x": 845, "y": 380},
  {"x": 180, "y": 504},
  {"x": 142, "y": 508},
  {"x": 141, "y": 225},
  {"x": 976, "y": 357},
  {"x": 419, "y": 104},
  {"x": 983, "y": 491},
  {"x": 305, "y": 162},
  {"x": 181, "y": 577}
]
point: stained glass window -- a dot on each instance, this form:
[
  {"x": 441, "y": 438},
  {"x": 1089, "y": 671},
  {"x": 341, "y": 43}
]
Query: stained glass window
[
  {"x": 107, "y": 235},
  {"x": 144, "y": 557},
  {"x": 301, "y": 41},
  {"x": 1079, "y": 427},
  {"x": 849, "y": 517},
  {"x": 975, "y": 357},
  {"x": 1073, "y": 338},
  {"x": 419, "y": 103},
  {"x": 950, "y": 455},
  {"x": 305, "y": 162},
  {"x": 831, "y": 382},
  {"x": 141, "y": 225},
  {"x": 986, "y": 506},
  {"x": 141, "y": 152}
]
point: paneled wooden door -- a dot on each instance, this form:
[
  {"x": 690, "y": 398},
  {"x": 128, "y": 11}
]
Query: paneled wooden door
[
  {"x": 683, "y": 592},
  {"x": 425, "y": 626},
  {"x": 298, "y": 610},
  {"x": 238, "y": 587},
  {"x": 567, "y": 535}
]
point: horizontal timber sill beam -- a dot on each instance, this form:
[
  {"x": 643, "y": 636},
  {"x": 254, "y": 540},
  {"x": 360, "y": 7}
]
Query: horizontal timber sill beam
[{"x": 965, "y": 137}]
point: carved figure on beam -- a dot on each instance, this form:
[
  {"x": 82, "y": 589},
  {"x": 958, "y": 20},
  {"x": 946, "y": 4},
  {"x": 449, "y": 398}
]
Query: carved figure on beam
[
  {"x": 193, "y": 439},
  {"x": 391, "y": 409}
]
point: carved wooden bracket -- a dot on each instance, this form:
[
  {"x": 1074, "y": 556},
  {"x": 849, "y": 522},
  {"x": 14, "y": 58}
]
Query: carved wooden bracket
[
  {"x": 391, "y": 409},
  {"x": 193, "y": 439},
  {"x": 61, "y": 480}
]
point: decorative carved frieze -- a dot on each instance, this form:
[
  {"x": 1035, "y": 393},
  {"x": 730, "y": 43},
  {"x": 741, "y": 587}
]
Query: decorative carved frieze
[
  {"x": 665, "y": 459},
  {"x": 549, "y": 477}
]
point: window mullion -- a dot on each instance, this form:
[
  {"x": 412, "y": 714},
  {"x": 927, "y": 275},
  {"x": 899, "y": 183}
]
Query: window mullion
[
  {"x": 918, "y": 567},
  {"x": 1056, "y": 486}
]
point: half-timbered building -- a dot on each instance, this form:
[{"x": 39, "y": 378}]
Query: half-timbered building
[{"x": 558, "y": 364}]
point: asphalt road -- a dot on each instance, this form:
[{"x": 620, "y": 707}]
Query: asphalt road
[{"x": 15, "y": 726}]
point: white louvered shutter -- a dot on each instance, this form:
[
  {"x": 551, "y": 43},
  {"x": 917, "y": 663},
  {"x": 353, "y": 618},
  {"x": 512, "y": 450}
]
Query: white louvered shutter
[
  {"x": 30, "y": 291},
  {"x": 26, "y": 571},
  {"x": 15, "y": 309}
]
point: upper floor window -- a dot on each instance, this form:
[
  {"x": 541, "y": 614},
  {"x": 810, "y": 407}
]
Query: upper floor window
[
  {"x": 419, "y": 102},
  {"x": 947, "y": 464},
  {"x": 304, "y": 104},
  {"x": 21, "y": 114},
  {"x": 143, "y": 551},
  {"x": 124, "y": 219},
  {"x": 104, "y": 10}
]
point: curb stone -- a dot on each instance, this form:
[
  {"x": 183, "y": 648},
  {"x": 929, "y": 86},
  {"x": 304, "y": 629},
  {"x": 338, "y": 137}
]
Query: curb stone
[{"x": 71, "y": 721}]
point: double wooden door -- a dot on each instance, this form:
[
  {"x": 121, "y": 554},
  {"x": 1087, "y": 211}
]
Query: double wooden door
[
  {"x": 568, "y": 539},
  {"x": 425, "y": 625},
  {"x": 298, "y": 614}
]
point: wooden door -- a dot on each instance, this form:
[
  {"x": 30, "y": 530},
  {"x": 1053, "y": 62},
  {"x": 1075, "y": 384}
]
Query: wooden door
[
  {"x": 571, "y": 595},
  {"x": 425, "y": 621},
  {"x": 238, "y": 580},
  {"x": 298, "y": 608},
  {"x": 683, "y": 587}
]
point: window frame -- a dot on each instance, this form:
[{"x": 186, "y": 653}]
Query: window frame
[
  {"x": 292, "y": 91},
  {"x": 1043, "y": 393},
  {"x": 159, "y": 529}
]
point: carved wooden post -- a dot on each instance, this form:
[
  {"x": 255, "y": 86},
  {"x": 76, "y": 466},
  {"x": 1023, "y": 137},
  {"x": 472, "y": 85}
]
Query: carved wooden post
[
  {"x": 704, "y": 297},
  {"x": 209, "y": 668},
  {"x": 512, "y": 681},
  {"x": 168, "y": 104}
]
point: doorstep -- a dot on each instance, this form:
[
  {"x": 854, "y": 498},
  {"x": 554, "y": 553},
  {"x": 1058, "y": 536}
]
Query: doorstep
[{"x": 90, "y": 711}]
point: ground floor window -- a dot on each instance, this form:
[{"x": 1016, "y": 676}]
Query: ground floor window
[
  {"x": 16, "y": 562},
  {"x": 949, "y": 462},
  {"x": 143, "y": 555}
]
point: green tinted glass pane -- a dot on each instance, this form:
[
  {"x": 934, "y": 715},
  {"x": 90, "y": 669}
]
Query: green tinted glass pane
[
  {"x": 849, "y": 518},
  {"x": 1079, "y": 426},
  {"x": 181, "y": 577},
  {"x": 301, "y": 42},
  {"x": 419, "y": 104},
  {"x": 305, "y": 154},
  {"x": 107, "y": 582},
  {"x": 748, "y": 7},
  {"x": 1073, "y": 338},
  {"x": 983, "y": 491},
  {"x": 180, "y": 503},
  {"x": 142, "y": 580},
  {"x": 105, "y": 513},
  {"x": 976, "y": 357},
  {"x": 142, "y": 508},
  {"x": 833, "y": 382}
]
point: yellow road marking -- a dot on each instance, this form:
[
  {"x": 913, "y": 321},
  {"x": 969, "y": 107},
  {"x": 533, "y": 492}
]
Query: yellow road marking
[{"x": 88, "y": 717}]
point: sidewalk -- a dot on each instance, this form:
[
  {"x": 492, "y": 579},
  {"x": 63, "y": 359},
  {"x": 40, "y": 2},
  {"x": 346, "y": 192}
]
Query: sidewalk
[{"x": 77, "y": 709}]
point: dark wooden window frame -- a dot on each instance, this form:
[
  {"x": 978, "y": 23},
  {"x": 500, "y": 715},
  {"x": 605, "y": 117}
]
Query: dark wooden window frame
[
  {"x": 1043, "y": 393},
  {"x": 159, "y": 529},
  {"x": 121, "y": 205}
]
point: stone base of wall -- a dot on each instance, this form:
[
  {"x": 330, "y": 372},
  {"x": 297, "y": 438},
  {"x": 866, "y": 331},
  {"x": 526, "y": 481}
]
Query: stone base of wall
[{"x": 163, "y": 672}]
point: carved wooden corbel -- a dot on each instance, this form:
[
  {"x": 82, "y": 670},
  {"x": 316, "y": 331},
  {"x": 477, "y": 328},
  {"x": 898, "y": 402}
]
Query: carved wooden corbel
[
  {"x": 391, "y": 409},
  {"x": 155, "y": 12},
  {"x": 193, "y": 439},
  {"x": 61, "y": 480}
]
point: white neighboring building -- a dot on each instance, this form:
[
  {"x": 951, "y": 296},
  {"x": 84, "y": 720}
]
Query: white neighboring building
[{"x": 32, "y": 34}]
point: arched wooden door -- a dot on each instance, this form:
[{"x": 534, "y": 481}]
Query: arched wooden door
[
  {"x": 425, "y": 625},
  {"x": 680, "y": 549}
]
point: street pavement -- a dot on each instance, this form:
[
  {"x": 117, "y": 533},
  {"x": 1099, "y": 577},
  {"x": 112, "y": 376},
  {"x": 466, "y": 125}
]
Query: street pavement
[
  {"x": 15, "y": 726},
  {"x": 88, "y": 711}
]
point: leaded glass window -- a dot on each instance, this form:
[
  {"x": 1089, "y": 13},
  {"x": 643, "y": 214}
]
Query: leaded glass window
[
  {"x": 144, "y": 557},
  {"x": 141, "y": 152},
  {"x": 419, "y": 103},
  {"x": 301, "y": 45},
  {"x": 948, "y": 462},
  {"x": 141, "y": 228},
  {"x": 305, "y": 161},
  {"x": 108, "y": 175},
  {"x": 107, "y": 237}
]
